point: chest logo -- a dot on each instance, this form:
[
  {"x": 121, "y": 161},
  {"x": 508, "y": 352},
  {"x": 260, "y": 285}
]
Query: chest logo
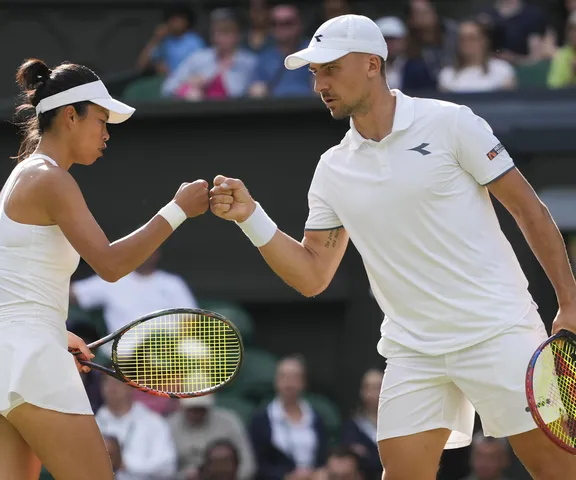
[{"x": 421, "y": 149}]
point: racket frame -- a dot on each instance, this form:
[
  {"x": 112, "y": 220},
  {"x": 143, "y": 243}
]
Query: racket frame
[
  {"x": 532, "y": 403},
  {"x": 115, "y": 336}
]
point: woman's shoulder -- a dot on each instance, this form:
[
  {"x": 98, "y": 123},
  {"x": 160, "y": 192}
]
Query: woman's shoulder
[{"x": 499, "y": 65}]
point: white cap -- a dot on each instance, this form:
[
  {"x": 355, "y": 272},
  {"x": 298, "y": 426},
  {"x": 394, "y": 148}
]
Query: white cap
[
  {"x": 94, "y": 92},
  {"x": 391, "y": 27},
  {"x": 204, "y": 401},
  {"x": 340, "y": 36}
]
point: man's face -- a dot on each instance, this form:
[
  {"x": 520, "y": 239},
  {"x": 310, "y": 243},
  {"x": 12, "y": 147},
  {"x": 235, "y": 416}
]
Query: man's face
[
  {"x": 286, "y": 26},
  {"x": 488, "y": 460},
  {"x": 344, "y": 83},
  {"x": 342, "y": 468}
]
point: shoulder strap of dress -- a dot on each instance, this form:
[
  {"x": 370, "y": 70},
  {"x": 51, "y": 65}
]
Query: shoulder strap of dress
[{"x": 43, "y": 157}]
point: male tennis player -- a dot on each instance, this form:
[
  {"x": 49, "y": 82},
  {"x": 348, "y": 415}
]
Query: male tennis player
[{"x": 409, "y": 184}]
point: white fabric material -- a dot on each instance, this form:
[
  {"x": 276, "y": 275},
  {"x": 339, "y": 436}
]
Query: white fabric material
[
  {"x": 340, "y": 36},
  {"x": 297, "y": 440},
  {"x": 36, "y": 263},
  {"x": 422, "y": 392},
  {"x": 173, "y": 214},
  {"x": 500, "y": 75},
  {"x": 146, "y": 443},
  {"x": 391, "y": 27},
  {"x": 258, "y": 227},
  {"x": 133, "y": 296},
  {"x": 416, "y": 209},
  {"x": 95, "y": 92}
]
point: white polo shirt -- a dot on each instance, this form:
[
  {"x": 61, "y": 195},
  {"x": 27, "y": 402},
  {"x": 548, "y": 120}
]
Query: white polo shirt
[{"x": 416, "y": 208}]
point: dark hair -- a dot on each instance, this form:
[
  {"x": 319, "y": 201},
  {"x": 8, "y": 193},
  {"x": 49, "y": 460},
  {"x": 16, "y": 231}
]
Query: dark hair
[
  {"x": 180, "y": 9},
  {"x": 37, "y": 82},
  {"x": 222, "y": 442}
]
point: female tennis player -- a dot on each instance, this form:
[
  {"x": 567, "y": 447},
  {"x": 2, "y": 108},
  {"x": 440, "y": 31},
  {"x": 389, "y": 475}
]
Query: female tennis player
[{"x": 45, "y": 226}]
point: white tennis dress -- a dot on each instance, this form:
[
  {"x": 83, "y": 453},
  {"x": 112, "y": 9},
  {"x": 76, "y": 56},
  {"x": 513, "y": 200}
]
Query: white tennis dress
[{"x": 36, "y": 263}]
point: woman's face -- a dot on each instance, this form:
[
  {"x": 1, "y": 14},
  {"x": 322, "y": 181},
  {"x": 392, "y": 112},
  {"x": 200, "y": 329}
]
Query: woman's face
[
  {"x": 225, "y": 35},
  {"x": 370, "y": 390},
  {"x": 471, "y": 41},
  {"x": 89, "y": 133},
  {"x": 423, "y": 15}
]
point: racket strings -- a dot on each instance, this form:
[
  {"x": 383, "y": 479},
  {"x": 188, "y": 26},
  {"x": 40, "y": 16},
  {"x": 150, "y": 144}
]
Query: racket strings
[
  {"x": 555, "y": 390},
  {"x": 179, "y": 353}
]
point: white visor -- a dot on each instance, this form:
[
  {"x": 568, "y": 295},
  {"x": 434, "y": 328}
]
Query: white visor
[{"x": 94, "y": 92}]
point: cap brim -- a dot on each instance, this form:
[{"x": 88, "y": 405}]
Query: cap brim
[
  {"x": 313, "y": 55},
  {"x": 119, "y": 112}
]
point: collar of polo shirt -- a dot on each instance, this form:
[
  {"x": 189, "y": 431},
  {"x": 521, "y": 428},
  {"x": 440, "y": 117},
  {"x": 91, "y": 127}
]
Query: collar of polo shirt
[{"x": 403, "y": 118}]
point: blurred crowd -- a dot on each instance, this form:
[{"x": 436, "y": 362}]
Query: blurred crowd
[
  {"x": 266, "y": 425},
  {"x": 501, "y": 45}
]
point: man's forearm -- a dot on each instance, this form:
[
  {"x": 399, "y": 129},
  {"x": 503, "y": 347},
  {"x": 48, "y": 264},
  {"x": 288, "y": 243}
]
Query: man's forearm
[
  {"x": 548, "y": 246},
  {"x": 293, "y": 263}
]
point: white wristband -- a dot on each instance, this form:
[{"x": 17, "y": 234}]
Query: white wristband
[
  {"x": 173, "y": 214},
  {"x": 258, "y": 227}
]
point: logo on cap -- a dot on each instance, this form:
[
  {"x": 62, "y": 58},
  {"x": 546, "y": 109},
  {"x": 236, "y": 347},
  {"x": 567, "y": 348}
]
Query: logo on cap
[{"x": 318, "y": 37}]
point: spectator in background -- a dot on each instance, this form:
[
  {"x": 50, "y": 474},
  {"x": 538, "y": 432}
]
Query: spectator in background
[
  {"x": 271, "y": 78},
  {"x": 196, "y": 425},
  {"x": 489, "y": 458},
  {"x": 329, "y": 9},
  {"x": 139, "y": 293},
  {"x": 91, "y": 380},
  {"x": 562, "y": 72},
  {"x": 143, "y": 291},
  {"x": 359, "y": 433},
  {"x": 258, "y": 37},
  {"x": 566, "y": 8},
  {"x": 475, "y": 68},
  {"x": 432, "y": 44},
  {"x": 394, "y": 32},
  {"x": 113, "y": 448},
  {"x": 521, "y": 33},
  {"x": 289, "y": 437},
  {"x": 221, "y": 462},
  {"x": 222, "y": 71},
  {"x": 173, "y": 41},
  {"x": 147, "y": 449},
  {"x": 343, "y": 464}
]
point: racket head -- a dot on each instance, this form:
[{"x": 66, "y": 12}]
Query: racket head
[
  {"x": 178, "y": 353},
  {"x": 551, "y": 389}
]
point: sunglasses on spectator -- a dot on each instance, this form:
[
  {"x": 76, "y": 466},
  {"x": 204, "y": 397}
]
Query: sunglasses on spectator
[{"x": 285, "y": 22}]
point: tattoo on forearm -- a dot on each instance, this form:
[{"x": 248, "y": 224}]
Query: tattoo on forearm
[{"x": 332, "y": 238}]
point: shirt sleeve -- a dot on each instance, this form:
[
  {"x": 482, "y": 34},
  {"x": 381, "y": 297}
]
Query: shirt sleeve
[
  {"x": 321, "y": 216},
  {"x": 181, "y": 295},
  {"x": 91, "y": 292},
  {"x": 181, "y": 75},
  {"x": 477, "y": 149}
]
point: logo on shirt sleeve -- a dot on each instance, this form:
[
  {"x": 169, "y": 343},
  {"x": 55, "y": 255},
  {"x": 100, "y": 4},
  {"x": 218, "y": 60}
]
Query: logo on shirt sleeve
[{"x": 492, "y": 154}]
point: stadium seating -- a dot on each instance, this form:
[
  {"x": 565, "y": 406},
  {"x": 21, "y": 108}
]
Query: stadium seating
[
  {"x": 255, "y": 380},
  {"x": 144, "y": 89},
  {"x": 242, "y": 407},
  {"x": 234, "y": 312}
]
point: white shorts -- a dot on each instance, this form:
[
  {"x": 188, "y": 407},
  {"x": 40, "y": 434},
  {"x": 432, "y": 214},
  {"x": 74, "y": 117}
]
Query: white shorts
[
  {"x": 421, "y": 392},
  {"x": 36, "y": 368}
]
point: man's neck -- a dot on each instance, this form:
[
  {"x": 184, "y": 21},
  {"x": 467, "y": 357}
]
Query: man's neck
[{"x": 376, "y": 123}]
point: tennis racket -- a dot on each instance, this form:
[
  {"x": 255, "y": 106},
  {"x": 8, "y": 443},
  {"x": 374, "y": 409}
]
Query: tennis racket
[
  {"x": 176, "y": 353},
  {"x": 551, "y": 389}
]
